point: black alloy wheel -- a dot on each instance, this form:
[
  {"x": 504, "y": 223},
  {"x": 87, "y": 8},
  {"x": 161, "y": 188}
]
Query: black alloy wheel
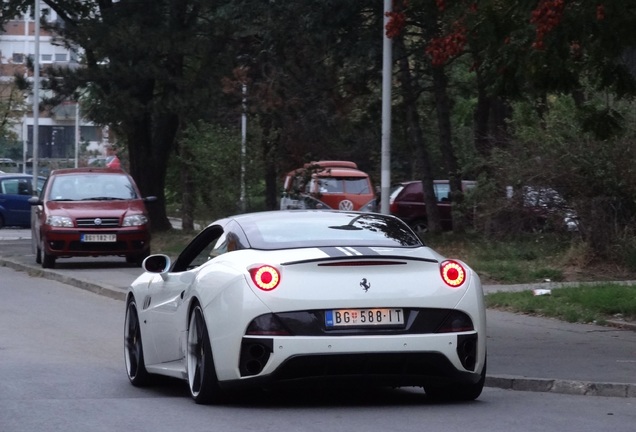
[
  {"x": 133, "y": 347},
  {"x": 202, "y": 379}
]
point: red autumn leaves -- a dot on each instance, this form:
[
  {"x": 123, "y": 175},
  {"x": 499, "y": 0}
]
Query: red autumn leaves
[
  {"x": 545, "y": 17},
  {"x": 441, "y": 49}
]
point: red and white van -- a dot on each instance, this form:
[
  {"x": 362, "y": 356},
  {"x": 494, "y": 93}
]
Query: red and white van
[{"x": 338, "y": 185}]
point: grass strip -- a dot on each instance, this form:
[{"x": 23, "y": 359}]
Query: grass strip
[{"x": 596, "y": 303}]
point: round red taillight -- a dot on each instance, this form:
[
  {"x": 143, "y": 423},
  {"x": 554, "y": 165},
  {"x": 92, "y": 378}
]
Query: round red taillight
[
  {"x": 453, "y": 273},
  {"x": 265, "y": 277}
]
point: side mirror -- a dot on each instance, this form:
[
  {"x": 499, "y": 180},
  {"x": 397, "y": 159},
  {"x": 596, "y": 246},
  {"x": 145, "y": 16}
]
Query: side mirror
[
  {"x": 158, "y": 263},
  {"x": 34, "y": 200}
]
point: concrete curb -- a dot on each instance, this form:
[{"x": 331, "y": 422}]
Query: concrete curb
[
  {"x": 101, "y": 289},
  {"x": 506, "y": 382},
  {"x": 571, "y": 387}
]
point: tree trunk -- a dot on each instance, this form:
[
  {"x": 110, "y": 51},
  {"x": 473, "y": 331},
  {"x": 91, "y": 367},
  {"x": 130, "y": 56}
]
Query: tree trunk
[
  {"x": 188, "y": 190},
  {"x": 442, "y": 105},
  {"x": 149, "y": 161},
  {"x": 417, "y": 138},
  {"x": 269, "y": 146},
  {"x": 481, "y": 120}
]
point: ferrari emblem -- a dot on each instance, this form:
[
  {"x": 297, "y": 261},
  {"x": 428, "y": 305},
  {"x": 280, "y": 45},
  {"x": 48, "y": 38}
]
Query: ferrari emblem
[{"x": 365, "y": 285}]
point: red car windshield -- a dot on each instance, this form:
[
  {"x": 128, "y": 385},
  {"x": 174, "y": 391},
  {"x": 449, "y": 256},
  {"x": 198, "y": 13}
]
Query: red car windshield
[{"x": 86, "y": 187}]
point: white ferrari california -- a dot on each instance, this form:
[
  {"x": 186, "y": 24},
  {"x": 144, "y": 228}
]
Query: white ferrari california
[{"x": 307, "y": 296}]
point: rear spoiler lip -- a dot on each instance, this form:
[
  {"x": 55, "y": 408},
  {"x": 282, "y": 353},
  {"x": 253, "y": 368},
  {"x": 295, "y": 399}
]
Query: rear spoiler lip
[{"x": 362, "y": 260}]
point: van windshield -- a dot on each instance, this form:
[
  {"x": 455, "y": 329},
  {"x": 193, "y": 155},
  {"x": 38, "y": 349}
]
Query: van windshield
[{"x": 353, "y": 185}]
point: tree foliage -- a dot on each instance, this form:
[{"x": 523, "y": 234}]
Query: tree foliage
[
  {"x": 214, "y": 162},
  {"x": 480, "y": 89}
]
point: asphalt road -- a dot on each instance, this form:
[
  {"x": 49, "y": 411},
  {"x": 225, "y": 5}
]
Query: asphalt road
[
  {"x": 62, "y": 369},
  {"x": 524, "y": 352}
]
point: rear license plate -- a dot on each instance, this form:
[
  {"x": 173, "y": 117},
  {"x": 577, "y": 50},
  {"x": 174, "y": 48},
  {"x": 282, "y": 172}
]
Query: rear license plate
[
  {"x": 364, "y": 317},
  {"x": 92, "y": 238}
]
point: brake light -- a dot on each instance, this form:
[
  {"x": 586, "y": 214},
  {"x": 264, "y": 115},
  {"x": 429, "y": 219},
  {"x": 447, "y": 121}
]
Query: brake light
[
  {"x": 265, "y": 277},
  {"x": 453, "y": 273}
]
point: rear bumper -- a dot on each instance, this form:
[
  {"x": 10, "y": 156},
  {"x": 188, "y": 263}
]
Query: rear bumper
[
  {"x": 408, "y": 360},
  {"x": 419, "y": 369}
]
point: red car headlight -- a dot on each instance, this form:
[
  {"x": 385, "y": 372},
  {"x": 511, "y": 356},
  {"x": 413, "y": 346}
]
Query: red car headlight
[{"x": 59, "y": 221}]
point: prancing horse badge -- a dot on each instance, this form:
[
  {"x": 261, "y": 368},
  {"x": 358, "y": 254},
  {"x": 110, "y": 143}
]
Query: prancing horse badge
[{"x": 365, "y": 285}]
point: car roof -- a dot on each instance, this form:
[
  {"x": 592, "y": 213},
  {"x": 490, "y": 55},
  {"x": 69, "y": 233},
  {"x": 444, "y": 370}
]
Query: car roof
[
  {"x": 341, "y": 172},
  {"x": 283, "y": 229},
  {"x": 18, "y": 175},
  {"x": 407, "y": 182},
  {"x": 87, "y": 170},
  {"x": 332, "y": 168},
  {"x": 332, "y": 164},
  {"x": 293, "y": 214}
]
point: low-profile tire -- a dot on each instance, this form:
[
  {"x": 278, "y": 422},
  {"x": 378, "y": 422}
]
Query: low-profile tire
[
  {"x": 48, "y": 261},
  {"x": 1, "y": 222},
  {"x": 202, "y": 379},
  {"x": 38, "y": 255},
  {"x": 456, "y": 392},
  {"x": 133, "y": 347}
]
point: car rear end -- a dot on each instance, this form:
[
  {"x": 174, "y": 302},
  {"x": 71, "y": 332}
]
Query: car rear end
[{"x": 399, "y": 317}]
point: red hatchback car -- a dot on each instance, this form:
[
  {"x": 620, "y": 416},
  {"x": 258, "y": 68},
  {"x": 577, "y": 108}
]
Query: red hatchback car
[
  {"x": 407, "y": 202},
  {"x": 90, "y": 212}
]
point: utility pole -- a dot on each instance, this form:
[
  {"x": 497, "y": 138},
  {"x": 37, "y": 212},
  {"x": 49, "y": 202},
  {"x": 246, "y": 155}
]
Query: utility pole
[
  {"x": 243, "y": 147},
  {"x": 387, "y": 67},
  {"x": 77, "y": 132},
  {"x": 36, "y": 94}
]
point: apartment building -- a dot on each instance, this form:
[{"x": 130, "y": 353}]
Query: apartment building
[{"x": 60, "y": 129}]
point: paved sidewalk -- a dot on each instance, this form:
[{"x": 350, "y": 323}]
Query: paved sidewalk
[{"x": 524, "y": 352}]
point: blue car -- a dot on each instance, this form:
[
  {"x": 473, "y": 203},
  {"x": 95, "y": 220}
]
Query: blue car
[{"x": 15, "y": 191}]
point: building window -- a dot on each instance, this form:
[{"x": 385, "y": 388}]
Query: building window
[
  {"x": 60, "y": 57},
  {"x": 47, "y": 58},
  {"x": 18, "y": 58}
]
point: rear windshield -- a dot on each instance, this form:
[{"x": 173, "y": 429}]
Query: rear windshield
[
  {"x": 92, "y": 186},
  {"x": 320, "y": 229}
]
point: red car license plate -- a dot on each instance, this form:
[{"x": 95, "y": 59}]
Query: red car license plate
[{"x": 93, "y": 238}]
